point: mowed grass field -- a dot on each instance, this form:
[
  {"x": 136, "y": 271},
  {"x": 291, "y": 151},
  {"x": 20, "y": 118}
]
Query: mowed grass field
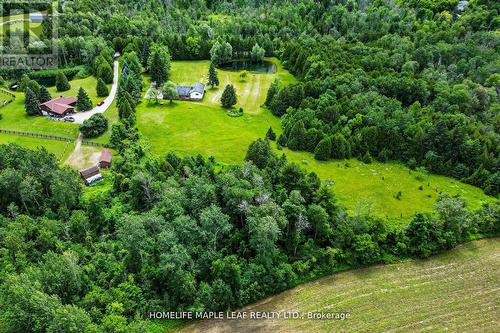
[
  {"x": 60, "y": 149},
  {"x": 457, "y": 291},
  {"x": 15, "y": 118},
  {"x": 204, "y": 128}
]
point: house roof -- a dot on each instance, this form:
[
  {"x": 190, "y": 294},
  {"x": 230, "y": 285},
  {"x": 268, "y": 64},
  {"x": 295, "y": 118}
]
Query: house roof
[
  {"x": 92, "y": 171},
  {"x": 183, "y": 90},
  {"x": 198, "y": 87},
  {"x": 106, "y": 156},
  {"x": 60, "y": 105}
]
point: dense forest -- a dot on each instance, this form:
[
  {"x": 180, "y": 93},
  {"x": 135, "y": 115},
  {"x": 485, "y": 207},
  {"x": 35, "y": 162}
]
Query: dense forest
[
  {"x": 173, "y": 234},
  {"x": 413, "y": 81}
]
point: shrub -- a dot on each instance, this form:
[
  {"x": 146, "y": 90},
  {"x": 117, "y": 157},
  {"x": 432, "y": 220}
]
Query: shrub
[
  {"x": 270, "y": 134},
  {"x": 94, "y": 126}
]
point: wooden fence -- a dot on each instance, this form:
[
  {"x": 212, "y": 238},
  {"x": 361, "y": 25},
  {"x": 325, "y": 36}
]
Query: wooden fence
[
  {"x": 36, "y": 135},
  {"x": 7, "y": 102},
  {"x": 96, "y": 144}
]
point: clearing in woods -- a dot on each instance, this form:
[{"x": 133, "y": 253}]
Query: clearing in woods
[
  {"x": 456, "y": 291},
  {"x": 191, "y": 128}
]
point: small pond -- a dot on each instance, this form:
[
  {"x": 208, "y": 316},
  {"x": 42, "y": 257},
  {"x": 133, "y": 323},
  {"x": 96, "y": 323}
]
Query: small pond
[{"x": 261, "y": 67}]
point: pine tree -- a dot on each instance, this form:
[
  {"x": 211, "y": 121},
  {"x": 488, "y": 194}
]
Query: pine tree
[
  {"x": 272, "y": 91},
  {"x": 124, "y": 110},
  {"x": 228, "y": 98},
  {"x": 297, "y": 136},
  {"x": 102, "y": 89},
  {"x": 323, "y": 150},
  {"x": 270, "y": 134},
  {"x": 213, "y": 78},
  {"x": 31, "y": 103},
  {"x": 62, "y": 83},
  {"x": 44, "y": 95},
  {"x": 83, "y": 102},
  {"x": 105, "y": 72}
]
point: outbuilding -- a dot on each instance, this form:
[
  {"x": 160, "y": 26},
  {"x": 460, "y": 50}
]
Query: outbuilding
[
  {"x": 105, "y": 159},
  {"x": 91, "y": 175}
]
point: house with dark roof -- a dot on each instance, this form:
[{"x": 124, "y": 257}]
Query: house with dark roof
[
  {"x": 91, "y": 175},
  {"x": 59, "y": 107},
  {"x": 195, "y": 92},
  {"x": 105, "y": 159}
]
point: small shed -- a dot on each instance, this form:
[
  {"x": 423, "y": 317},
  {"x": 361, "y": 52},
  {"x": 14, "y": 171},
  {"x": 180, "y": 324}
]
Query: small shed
[
  {"x": 91, "y": 175},
  {"x": 105, "y": 159}
]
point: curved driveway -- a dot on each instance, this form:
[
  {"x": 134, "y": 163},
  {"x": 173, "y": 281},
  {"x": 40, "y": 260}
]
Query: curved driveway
[{"x": 80, "y": 117}]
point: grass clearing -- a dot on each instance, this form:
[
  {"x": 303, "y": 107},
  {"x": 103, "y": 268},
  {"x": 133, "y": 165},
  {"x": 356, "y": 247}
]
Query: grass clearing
[
  {"x": 456, "y": 291},
  {"x": 204, "y": 128},
  {"x": 372, "y": 188},
  {"x": 60, "y": 149}
]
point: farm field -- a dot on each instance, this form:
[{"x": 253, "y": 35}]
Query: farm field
[
  {"x": 455, "y": 291},
  {"x": 60, "y": 149},
  {"x": 204, "y": 128}
]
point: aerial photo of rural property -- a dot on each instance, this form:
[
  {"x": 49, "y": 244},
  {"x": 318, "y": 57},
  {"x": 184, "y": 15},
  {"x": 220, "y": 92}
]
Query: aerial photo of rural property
[{"x": 249, "y": 166}]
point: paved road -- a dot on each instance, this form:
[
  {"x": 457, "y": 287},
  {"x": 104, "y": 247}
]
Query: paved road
[{"x": 80, "y": 117}]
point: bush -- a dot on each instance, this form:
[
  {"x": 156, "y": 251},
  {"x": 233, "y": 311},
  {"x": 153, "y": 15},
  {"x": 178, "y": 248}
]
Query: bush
[
  {"x": 228, "y": 98},
  {"x": 367, "y": 158},
  {"x": 235, "y": 113},
  {"x": 95, "y": 126},
  {"x": 270, "y": 134}
]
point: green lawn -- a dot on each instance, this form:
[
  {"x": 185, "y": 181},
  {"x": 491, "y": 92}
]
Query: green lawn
[
  {"x": 60, "y": 149},
  {"x": 456, "y": 291},
  {"x": 205, "y": 128},
  {"x": 372, "y": 188},
  {"x": 15, "y": 118}
]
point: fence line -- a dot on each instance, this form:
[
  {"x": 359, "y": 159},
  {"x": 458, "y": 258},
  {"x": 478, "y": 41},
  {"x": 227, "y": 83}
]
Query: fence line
[
  {"x": 92, "y": 143},
  {"x": 36, "y": 135},
  {"x": 6, "y": 92}
]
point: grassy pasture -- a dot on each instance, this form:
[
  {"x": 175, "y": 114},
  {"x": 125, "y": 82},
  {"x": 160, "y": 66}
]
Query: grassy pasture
[
  {"x": 456, "y": 291},
  {"x": 372, "y": 188},
  {"x": 204, "y": 128},
  {"x": 60, "y": 149}
]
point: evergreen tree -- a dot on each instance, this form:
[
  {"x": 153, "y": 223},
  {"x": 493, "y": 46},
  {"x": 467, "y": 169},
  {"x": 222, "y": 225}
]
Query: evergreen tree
[
  {"x": 23, "y": 83},
  {"x": 62, "y": 83},
  {"x": 83, "y": 102},
  {"x": 297, "y": 136},
  {"x": 105, "y": 72},
  {"x": 159, "y": 64},
  {"x": 44, "y": 95},
  {"x": 213, "y": 78},
  {"x": 102, "y": 89},
  {"x": 228, "y": 98},
  {"x": 340, "y": 147},
  {"x": 270, "y": 134},
  {"x": 272, "y": 91},
  {"x": 31, "y": 103},
  {"x": 125, "y": 110},
  {"x": 323, "y": 150}
]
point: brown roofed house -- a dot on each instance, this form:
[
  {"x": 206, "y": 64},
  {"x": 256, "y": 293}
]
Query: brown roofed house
[
  {"x": 91, "y": 174},
  {"x": 59, "y": 107},
  {"x": 105, "y": 160}
]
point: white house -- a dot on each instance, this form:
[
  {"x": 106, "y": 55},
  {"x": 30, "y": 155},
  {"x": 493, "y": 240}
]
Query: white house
[{"x": 197, "y": 91}]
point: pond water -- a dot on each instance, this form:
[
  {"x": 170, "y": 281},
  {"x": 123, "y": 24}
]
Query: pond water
[{"x": 261, "y": 67}]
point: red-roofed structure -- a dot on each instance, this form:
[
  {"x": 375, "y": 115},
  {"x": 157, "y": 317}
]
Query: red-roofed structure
[
  {"x": 106, "y": 158},
  {"x": 59, "y": 107}
]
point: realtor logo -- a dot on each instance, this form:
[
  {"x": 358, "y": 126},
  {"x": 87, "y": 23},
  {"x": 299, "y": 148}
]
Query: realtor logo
[{"x": 28, "y": 33}]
